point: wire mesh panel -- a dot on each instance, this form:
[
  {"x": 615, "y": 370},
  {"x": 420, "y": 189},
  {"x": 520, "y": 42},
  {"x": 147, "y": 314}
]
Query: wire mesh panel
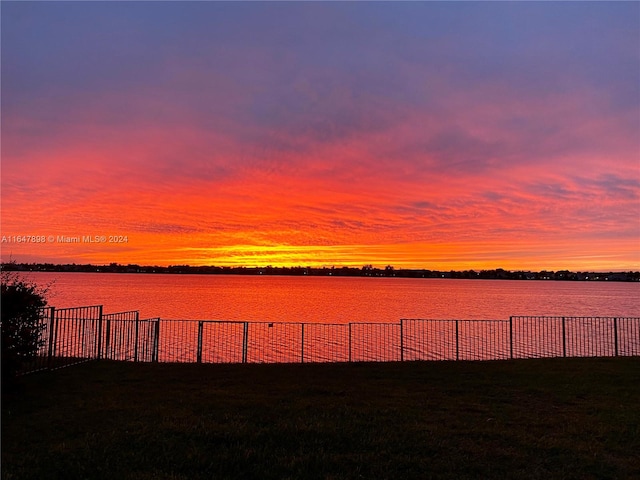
[
  {"x": 274, "y": 343},
  {"x": 222, "y": 342},
  {"x": 628, "y": 336},
  {"x": 178, "y": 341},
  {"x": 77, "y": 335},
  {"x": 148, "y": 340},
  {"x": 326, "y": 342},
  {"x": 425, "y": 339},
  {"x": 590, "y": 337},
  {"x": 483, "y": 339},
  {"x": 120, "y": 336},
  {"x": 537, "y": 337},
  {"x": 374, "y": 342}
]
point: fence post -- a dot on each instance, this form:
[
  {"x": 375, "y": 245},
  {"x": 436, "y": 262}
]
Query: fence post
[
  {"x": 107, "y": 338},
  {"x": 156, "y": 342},
  {"x": 457, "y": 343},
  {"x": 511, "y": 337},
  {"x": 99, "y": 355},
  {"x": 349, "y": 342},
  {"x": 615, "y": 335},
  {"x": 245, "y": 341},
  {"x": 302, "y": 344},
  {"x": 199, "y": 352},
  {"x": 401, "y": 340},
  {"x": 564, "y": 339},
  {"x": 52, "y": 334},
  {"x": 135, "y": 347}
]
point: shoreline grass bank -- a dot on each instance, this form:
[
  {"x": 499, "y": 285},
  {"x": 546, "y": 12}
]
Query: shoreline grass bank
[{"x": 532, "y": 419}]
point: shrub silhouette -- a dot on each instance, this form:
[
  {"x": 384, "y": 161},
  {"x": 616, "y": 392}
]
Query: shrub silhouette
[{"x": 21, "y": 304}]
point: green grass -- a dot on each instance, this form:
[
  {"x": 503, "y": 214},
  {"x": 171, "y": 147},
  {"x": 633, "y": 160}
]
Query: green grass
[{"x": 524, "y": 419}]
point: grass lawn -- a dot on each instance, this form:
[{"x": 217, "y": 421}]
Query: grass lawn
[{"x": 523, "y": 419}]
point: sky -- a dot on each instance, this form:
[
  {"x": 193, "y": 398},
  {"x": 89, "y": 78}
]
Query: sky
[{"x": 440, "y": 135}]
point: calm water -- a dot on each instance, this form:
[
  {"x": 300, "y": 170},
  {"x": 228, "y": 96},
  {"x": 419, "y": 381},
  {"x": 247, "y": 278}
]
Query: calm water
[{"x": 336, "y": 299}]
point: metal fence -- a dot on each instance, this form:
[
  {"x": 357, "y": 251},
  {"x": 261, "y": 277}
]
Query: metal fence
[
  {"x": 574, "y": 336},
  {"x": 128, "y": 338},
  {"x": 74, "y": 335}
]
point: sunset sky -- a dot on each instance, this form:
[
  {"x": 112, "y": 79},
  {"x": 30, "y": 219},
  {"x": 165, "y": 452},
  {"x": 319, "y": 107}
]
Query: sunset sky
[{"x": 441, "y": 135}]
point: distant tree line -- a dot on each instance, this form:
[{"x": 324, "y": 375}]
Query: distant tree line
[{"x": 365, "y": 271}]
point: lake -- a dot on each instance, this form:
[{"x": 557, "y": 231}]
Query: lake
[
  {"x": 335, "y": 299},
  {"x": 319, "y": 319}
]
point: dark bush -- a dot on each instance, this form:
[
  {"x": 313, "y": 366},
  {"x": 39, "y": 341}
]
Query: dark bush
[{"x": 21, "y": 309}]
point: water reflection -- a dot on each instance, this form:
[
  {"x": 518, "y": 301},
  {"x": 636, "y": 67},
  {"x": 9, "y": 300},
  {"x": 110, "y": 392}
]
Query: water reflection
[{"x": 337, "y": 300}]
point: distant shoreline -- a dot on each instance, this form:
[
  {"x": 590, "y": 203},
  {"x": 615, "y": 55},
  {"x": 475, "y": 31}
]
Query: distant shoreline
[{"x": 365, "y": 271}]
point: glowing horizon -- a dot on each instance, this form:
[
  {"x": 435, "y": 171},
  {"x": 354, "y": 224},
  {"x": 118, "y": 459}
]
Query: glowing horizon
[{"x": 441, "y": 136}]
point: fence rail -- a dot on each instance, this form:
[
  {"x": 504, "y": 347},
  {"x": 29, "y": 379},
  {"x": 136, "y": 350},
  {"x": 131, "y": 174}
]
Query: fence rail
[{"x": 80, "y": 334}]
